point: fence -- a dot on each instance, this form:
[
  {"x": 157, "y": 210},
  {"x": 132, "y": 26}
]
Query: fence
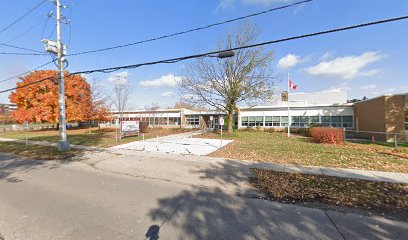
[{"x": 396, "y": 139}]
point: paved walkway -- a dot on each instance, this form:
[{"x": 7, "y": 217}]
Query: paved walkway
[
  {"x": 182, "y": 143},
  {"x": 327, "y": 171}
]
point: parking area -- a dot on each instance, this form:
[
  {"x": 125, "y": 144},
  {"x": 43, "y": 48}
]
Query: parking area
[{"x": 178, "y": 144}]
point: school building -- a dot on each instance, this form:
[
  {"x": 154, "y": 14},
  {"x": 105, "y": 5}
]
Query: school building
[{"x": 384, "y": 116}]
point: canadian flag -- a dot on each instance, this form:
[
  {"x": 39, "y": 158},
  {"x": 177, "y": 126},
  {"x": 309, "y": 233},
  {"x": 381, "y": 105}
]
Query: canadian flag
[{"x": 292, "y": 86}]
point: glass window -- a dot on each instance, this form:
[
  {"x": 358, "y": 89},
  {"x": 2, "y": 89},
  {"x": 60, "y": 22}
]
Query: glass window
[
  {"x": 295, "y": 121},
  {"x": 347, "y": 121},
  {"x": 244, "y": 121},
  {"x": 284, "y": 121},
  {"x": 276, "y": 121},
  {"x": 314, "y": 119},
  {"x": 251, "y": 121},
  {"x": 326, "y": 121},
  {"x": 193, "y": 120},
  {"x": 335, "y": 121},
  {"x": 259, "y": 121},
  {"x": 268, "y": 121},
  {"x": 304, "y": 121}
]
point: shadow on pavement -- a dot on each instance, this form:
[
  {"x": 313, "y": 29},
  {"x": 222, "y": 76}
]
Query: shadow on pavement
[
  {"x": 11, "y": 165},
  {"x": 204, "y": 213}
]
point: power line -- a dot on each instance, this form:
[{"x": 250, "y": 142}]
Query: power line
[
  {"x": 23, "y": 16},
  {"x": 22, "y": 54},
  {"x": 27, "y": 31},
  {"x": 174, "y": 60},
  {"x": 21, "y": 48},
  {"x": 191, "y": 30},
  {"x": 21, "y": 74}
]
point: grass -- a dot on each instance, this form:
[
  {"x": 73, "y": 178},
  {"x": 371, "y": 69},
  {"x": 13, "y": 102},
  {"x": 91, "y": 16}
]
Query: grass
[
  {"x": 36, "y": 151},
  {"x": 88, "y": 137},
  {"x": 352, "y": 193},
  {"x": 278, "y": 148}
]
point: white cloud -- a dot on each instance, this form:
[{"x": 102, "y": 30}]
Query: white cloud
[
  {"x": 347, "y": 67},
  {"x": 370, "y": 87},
  {"x": 289, "y": 61},
  {"x": 166, "y": 94},
  {"x": 169, "y": 80}
]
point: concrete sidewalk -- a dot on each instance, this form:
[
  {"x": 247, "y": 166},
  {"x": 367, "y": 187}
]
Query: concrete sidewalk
[{"x": 327, "y": 171}]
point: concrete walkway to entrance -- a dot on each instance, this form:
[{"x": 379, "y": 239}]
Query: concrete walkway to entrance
[{"x": 182, "y": 143}]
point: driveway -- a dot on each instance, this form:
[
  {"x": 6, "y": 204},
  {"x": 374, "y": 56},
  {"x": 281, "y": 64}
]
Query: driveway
[{"x": 183, "y": 143}]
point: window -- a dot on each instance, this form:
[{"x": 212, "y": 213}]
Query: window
[
  {"x": 244, "y": 121},
  {"x": 347, "y": 121},
  {"x": 326, "y": 121},
  {"x": 284, "y": 121},
  {"x": 314, "y": 119},
  {"x": 335, "y": 121},
  {"x": 259, "y": 121},
  {"x": 268, "y": 121},
  {"x": 295, "y": 121},
  {"x": 304, "y": 121},
  {"x": 174, "y": 121},
  {"x": 276, "y": 121},
  {"x": 193, "y": 120},
  {"x": 251, "y": 121}
]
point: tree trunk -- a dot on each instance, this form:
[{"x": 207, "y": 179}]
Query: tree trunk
[{"x": 230, "y": 122}]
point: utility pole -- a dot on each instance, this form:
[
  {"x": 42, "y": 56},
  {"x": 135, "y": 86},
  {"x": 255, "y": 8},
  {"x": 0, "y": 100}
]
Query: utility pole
[{"x": 63, "y": 143}]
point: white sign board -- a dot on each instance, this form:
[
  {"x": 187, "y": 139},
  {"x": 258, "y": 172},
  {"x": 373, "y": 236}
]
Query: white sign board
[
  {"x": 221, "y": 121},
  {"x": 130, "y": 126},
  {"x": 211, "y": 118}
]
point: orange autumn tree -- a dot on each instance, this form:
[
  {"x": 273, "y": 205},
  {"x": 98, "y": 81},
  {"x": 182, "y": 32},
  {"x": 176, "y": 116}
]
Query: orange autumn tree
[{"x": 38, "y": 102}]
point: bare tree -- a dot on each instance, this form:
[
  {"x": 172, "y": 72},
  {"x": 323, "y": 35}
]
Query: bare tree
[
  {"x": 153, "y": 108},
  {"x": 223, "y": 83},
  {"x": 119, "y": 96},
  {"x": 100, "y": 107}
]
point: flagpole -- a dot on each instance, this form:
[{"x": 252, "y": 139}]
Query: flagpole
[{"x": 289, "y": 118}]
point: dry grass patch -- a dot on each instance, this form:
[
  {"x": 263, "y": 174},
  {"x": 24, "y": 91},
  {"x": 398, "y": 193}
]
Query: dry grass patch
[
  {"x": 352, "y": 193},
  {"x": 37, "y": 151},
  {"x": 90, "y": 137}
]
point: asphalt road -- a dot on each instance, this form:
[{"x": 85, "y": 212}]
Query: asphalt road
[{"x": 102, "y": 198}]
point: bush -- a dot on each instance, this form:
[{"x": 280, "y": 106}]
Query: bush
[
  {"x": 143, "y": 126},
  {"x": 327, "y": 135}
]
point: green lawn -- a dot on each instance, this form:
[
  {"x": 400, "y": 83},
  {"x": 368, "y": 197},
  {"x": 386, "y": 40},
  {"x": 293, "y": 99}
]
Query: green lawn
[{"x": 278, "y": 148}]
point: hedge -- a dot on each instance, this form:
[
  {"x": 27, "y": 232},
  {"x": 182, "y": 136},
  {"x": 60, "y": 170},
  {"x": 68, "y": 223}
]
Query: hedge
[{"x": 327, "y": 135}]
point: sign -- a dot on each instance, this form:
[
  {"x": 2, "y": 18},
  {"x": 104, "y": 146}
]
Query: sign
[
  {"x": 130, "y": 126},
  {"x": 211, "y": 118},
  {"x": 221, "y": 121}
]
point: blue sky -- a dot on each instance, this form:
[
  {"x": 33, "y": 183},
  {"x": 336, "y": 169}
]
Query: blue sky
[{"x": 365, "y": 62}]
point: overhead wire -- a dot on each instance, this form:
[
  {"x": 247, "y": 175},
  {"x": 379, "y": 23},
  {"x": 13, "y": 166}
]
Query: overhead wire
[
  {"x": 191, "y": 30},
  {"x": 174, "y": 60},
  {"x": 29, "y": 71},
  {"x": 23, "y": 16}
]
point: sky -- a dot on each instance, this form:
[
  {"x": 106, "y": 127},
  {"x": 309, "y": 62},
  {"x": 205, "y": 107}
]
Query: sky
[{"x": 368, "y": 62}]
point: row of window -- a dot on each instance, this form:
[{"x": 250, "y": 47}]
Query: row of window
[
  {"x": 158, "y": 121},
  {"x": 297, "y": 121},
  {"x": 193, "y": 120}
]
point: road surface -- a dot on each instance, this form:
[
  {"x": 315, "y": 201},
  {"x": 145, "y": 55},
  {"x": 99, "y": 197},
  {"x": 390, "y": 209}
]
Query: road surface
[{"x": 101, "y": 198}]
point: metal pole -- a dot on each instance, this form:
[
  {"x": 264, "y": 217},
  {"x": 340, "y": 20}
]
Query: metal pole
[
  {"x": 63, "y": 143},
  {"x": 289, "y": 117}
]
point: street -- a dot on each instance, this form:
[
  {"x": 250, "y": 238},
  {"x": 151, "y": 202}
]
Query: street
[{"x": 96, "y": 200}]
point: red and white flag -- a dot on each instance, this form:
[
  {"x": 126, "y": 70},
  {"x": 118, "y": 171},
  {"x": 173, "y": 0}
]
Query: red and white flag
[{"x": 292, "y": 86}]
